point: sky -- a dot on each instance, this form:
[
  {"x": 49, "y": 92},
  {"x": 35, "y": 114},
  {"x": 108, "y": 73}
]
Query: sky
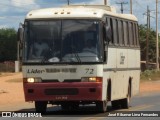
[{"x": 12, "y": 12}]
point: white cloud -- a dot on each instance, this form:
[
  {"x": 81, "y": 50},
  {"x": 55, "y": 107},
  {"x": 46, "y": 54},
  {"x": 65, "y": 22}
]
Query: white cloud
[
  {"x": 4, "y": 6},
  {"x": 20, "y": 3},
  {"x": 12, "y": 8},
  {"x": 27, "y": 4},
  {"x": 3, "y": 26},
  {"x": 2, "y": 17},
  {"x": 94, "y": 2},
  {"x": 11, "y": 21}
]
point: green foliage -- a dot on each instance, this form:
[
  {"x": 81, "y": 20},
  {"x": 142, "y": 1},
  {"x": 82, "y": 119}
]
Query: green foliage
[
  {"x": 8, "y": 44},
  {"x": 152, "y": 43},
  {"x": 150, "y": 75}
]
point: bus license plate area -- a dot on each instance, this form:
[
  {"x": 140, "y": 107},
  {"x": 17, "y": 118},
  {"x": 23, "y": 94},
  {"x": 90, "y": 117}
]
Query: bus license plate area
[
  {"x": 61, "y": 91},
  {"x": 61, "y": 97}
]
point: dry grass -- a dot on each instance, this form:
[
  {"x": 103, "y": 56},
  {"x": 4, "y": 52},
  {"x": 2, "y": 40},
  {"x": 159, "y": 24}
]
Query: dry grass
[
  {"x": 150, "y": 75},
  {"x": 15, "y": 80},
  {"x": 2, "y": 74}
]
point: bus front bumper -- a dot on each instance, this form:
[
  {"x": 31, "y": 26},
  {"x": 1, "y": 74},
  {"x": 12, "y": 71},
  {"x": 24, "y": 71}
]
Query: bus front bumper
[{"x": 76, "y": 91}]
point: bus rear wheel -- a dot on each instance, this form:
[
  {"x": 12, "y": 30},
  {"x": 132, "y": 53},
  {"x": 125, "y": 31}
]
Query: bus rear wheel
[
  {"x": 115, "y": 104},
  {"x": 41, "y": 106},
  {"x": 101, "y": 106},
  {"x": 125, "y": 102}
]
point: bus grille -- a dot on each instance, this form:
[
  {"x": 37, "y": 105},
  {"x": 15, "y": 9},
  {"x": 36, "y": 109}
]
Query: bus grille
[
  {"x": 62, "y": 91},
  {"x": 47, "y": 81},
  {"x": 72, "y": 80}
]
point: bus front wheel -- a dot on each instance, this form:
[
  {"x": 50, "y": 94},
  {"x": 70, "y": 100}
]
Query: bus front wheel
[
  {"x": 40, "y": 106},
  {"x": 101, "y": 106}
]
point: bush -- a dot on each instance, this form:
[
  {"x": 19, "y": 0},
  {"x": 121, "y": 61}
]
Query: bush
[{"x": 150, "y": 75}]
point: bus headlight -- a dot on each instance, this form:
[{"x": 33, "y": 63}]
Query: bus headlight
[
  {"x": 91, "y": 79},
  {"x": 34, "y": 80}
]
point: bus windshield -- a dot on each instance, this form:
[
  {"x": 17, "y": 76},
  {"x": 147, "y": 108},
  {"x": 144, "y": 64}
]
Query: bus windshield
[{"x": 62, "y": 41}]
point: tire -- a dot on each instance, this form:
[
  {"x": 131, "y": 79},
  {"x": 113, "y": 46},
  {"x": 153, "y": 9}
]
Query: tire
[
  {"x": 126, "y": 102},
  {"x": 101, "y": 106},
  {"x": 40, "y": 106},
  {"x": 116, "y": 104}
]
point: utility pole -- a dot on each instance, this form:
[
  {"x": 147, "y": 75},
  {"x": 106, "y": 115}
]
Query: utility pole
[
  {"x": 68, "y": 2},
  {"x": 131, "y": 7},
  {"x": 105, "y": 2},
  {"x": 122, "y": 5},
  {"x": 157, "y": 45},
  {"x": 147, "y": 36}
]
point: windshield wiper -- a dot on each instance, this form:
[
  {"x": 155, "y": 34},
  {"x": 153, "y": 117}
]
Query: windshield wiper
[
  {"x": 77, "y": 57},
  {"x": 44, "y": 60}
]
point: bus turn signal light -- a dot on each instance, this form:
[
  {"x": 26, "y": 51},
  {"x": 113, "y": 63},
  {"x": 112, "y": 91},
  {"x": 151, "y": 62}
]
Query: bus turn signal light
[
  {"x": 32, "y": 80},
  {"x": 91, "y": 79}
]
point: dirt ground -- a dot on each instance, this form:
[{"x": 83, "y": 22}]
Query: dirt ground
[
  {"x": 10, "y": 92},
  {"x": 11, "y": 89}
]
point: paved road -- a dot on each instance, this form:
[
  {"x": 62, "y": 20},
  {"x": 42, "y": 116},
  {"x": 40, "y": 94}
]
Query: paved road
[{"x": 145, "y": 102}]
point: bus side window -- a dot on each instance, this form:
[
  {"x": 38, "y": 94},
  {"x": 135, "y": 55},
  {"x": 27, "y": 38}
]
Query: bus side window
[
  {"x": 134, "y": 35},
  {"x": 131, "y": 34},
  {"x": 120, "y": 33},
  {"x": 115, "y": 32},
  {"x": 137, "y": 34},
  {"x": 111, "y": 26},
  {"x": 109, "y": 30},
  {"x": 125, "y": 27}
]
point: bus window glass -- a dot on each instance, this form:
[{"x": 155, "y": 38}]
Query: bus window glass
[
  {"x": 134, "y": 34},
  {"x": 111, "y": 26},
  {"x": 80, "y": 38},
  {"x": 125, "y": 28},
  {"x": 137, "y": 34},
  {"x": 131, "y": 34},
  {"x": 41, "y": 38},
  {"x": 115, "y": 31},
  {"x": 63, "y": 41},
  {"x": 120, "y": 33},
  {"x": 108, "y": 30}
]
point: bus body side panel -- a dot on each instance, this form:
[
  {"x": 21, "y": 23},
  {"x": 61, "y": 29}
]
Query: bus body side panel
[
  {"x": 108, "y": 70},
  {"x": 134, "y": 65},
  {"x": 136, "y": 73},
  {"x": 122, "y": 65}
]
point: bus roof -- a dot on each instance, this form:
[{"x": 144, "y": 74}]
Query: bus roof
[{"x": 78, "y": 11}]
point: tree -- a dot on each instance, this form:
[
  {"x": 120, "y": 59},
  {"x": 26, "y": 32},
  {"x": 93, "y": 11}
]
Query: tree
[
  {"x": 8, "y": 44},
  {"x": 152, "y": 43}
]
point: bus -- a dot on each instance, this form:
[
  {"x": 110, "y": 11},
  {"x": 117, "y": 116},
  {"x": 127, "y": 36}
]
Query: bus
[{"x": 79, "y": 54}]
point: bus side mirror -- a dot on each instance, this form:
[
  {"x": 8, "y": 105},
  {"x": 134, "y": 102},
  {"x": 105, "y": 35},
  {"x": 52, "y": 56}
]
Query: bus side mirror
[{"x": 20, "y": 35}]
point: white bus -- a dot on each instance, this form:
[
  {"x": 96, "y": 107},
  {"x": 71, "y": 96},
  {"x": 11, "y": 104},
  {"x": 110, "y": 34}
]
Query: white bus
[{"x": 80, "y": 54}]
